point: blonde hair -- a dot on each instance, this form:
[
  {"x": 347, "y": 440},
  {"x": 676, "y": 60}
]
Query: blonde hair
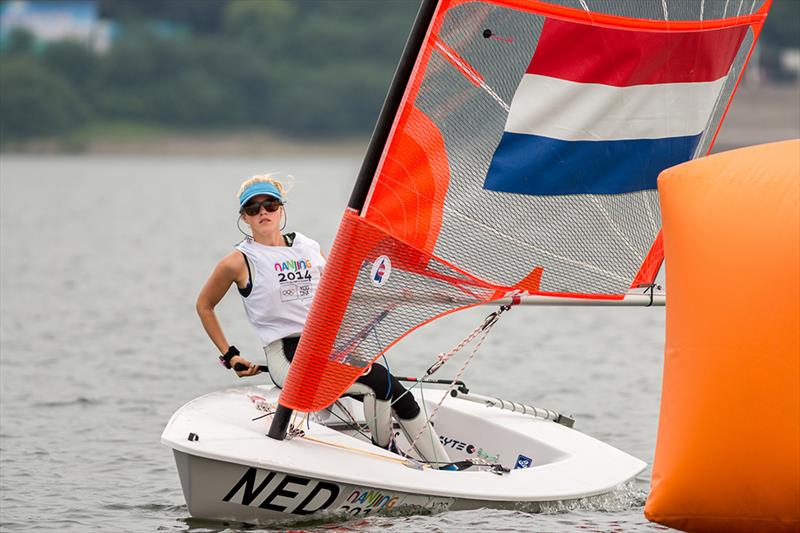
[{"x": 265, "y": 178}]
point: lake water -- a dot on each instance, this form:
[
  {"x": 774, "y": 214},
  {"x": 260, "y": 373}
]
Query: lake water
[{"x": 101, "y": 262}]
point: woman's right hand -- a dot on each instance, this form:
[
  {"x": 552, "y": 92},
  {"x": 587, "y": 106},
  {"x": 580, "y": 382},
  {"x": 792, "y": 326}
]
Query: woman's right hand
[{"x": 252, "y": 369}]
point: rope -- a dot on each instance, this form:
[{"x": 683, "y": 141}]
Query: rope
[
  {"x": 355, "y": 450},
  {"x": 486, "y": 327},
  {"x": 649, "y": 289},
  {"x": 352, "y": 423},
  {"x": 488, "y": 322},
  {"x": 410, "y": 462},
  {"x": 490, "y": 318},
  {"x": 296, "y": 430}
]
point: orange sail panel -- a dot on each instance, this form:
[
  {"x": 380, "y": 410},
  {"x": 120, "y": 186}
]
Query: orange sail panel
[
  {"x": 408, "y": 197},
  {"x": 507, "y": 169}
]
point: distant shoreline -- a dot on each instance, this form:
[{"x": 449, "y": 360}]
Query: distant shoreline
[
  {"x": 136, "y": 139},
  {"x": 758, "y": 115}
]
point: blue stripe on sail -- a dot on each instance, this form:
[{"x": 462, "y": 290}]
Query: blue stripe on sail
[{"x": 530, "y": 164}]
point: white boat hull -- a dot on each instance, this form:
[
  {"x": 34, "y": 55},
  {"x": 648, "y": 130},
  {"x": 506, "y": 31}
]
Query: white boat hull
[{"x": 232, "y": 471}]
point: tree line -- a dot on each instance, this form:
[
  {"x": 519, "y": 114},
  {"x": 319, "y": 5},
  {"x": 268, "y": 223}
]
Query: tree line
[
  {"x": 314, "y": 68},
  {"x": 311, "y": 68}
]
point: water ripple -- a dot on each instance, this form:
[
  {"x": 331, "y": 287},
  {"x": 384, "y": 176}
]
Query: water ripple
[
  {"x": 100, "y": 409},
  {"x": 81, "y": 401}
]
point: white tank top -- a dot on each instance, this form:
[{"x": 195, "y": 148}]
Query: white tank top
[{"x": 284, "y": 280}]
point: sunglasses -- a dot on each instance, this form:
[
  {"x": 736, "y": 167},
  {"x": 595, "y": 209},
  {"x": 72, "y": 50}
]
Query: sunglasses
[{"x": 270, "y": 204}]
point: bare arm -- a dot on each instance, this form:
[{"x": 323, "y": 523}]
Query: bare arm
[{"x": 232, "y": 268}]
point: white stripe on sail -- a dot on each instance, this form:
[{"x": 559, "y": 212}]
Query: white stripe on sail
[{"x": 570, "y": 111}]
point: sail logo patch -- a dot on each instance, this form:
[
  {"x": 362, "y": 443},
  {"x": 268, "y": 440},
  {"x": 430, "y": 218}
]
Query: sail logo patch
[{"x": 381, "y": 270}]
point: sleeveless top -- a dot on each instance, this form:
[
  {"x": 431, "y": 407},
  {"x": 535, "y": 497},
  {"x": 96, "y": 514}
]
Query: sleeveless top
[{"x": 284, "y": 279}]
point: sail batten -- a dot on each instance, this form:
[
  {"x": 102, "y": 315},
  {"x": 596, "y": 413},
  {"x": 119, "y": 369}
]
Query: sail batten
[{"x": 520, "y": 163}]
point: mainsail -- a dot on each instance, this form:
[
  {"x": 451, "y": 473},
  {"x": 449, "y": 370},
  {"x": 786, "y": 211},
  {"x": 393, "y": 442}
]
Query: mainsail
[{"x": 518, "y": 156}]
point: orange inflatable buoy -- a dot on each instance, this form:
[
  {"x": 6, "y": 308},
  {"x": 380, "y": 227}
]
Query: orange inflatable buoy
[{"x": 728, "y": 450}]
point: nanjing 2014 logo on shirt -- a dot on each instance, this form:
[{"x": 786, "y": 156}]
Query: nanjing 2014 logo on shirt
[{"x": 381, "y": 269}]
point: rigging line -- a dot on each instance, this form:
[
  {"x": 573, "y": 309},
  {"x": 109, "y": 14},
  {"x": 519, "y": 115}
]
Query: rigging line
[
  {"x": 738, "y": 11},
  {"x": 702, "y": 7},
  {"x": 486, "y": 331},
  {"x": 487, "y": 325},
  {"x": 725, "y": 11},
  {"x": 352, "y": 424},
  {"x": 636, "y": 254},
  {"x": 422, "y": 429},
  {"x": 651, "y": 289},
  {"x": 355, "y": 450},
  {"x": 664, "y": 6},
  {"x": 341, "y": 406},
  {"x": 294, "y": 429},
  {"x": 476, "y": 80},
  {"x": 574, "y": 262},
  {"x": 753, "y": 7},
  {"x": 466, "y": 340},
  {"x": 443, "y": 357}
]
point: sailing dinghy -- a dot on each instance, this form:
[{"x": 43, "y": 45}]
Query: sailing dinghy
[{"x": 515, "y": 162}]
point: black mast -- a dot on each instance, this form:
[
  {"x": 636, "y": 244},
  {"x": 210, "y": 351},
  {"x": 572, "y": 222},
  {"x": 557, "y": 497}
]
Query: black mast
[{"x": 280, "y": 421}]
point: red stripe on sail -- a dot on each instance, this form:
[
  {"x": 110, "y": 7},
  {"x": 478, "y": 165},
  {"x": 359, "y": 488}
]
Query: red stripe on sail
[{"x": 595, "y": 54}]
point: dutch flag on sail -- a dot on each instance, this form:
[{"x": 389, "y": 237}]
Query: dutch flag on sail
[{"x": 604, "y": 111}]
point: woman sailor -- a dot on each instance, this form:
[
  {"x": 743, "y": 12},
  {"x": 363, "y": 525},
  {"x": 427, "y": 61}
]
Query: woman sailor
[{"x": 276, "y": 275}]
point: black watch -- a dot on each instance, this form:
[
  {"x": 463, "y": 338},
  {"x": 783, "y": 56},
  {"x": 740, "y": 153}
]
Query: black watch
[{"x": 225, "y": 359}]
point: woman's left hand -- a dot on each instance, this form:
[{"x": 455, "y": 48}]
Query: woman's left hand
[{"x": 252, "y": 369}]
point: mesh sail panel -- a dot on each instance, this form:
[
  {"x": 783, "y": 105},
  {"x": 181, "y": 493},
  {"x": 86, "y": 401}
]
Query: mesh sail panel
[
  {"x": 523, "y": 159},
  {"x": 737, "y": 68},
  {"x": 379, "y": 288},
  {"x": 585, "y": 243}
]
